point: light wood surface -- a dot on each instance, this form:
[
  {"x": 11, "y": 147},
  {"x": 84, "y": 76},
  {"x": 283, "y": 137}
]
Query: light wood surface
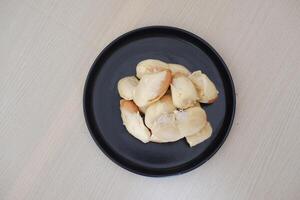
[{"x": 46, "y": 50}]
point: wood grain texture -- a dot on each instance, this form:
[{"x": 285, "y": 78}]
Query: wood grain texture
[{"x": 46, "y": 50}]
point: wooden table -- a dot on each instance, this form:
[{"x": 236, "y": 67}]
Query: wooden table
[{"x": 46, "y": 50}]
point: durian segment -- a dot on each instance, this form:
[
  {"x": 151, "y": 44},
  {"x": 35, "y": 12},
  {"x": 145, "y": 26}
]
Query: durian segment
[
  {"x": 150, "y": 66},
  {"x": 201, "y": 136},
  {"x": 184, "y": 93},
  {"x": 133, "y": 121},
  {"x": 206, "y": 89},
  {"x": 191, "y": 120},
  {"x": 178, "y": 69},
  {"x": 162, "y": 106},
  {"x": 151, "y": 87},
  {"x": 126, "y": 87},
  {"x": 165, "y": 129}
]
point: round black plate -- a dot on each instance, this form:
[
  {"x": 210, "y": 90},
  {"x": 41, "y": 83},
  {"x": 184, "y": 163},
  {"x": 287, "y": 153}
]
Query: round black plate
[{"x": 101, "y": 100}]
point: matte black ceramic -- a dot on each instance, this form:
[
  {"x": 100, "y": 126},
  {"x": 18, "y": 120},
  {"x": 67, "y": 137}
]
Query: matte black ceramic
[{"x": 101, "y": 100}]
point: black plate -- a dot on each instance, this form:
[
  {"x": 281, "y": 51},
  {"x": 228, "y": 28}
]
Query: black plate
[{"x": 101, "y": 100}]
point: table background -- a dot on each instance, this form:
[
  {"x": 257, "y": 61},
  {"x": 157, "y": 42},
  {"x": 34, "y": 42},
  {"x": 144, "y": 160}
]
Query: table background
[{"x": 46, "y": 50}]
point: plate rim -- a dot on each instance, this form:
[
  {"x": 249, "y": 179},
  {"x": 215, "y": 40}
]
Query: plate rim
[{"x": 121, "y": 164}]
